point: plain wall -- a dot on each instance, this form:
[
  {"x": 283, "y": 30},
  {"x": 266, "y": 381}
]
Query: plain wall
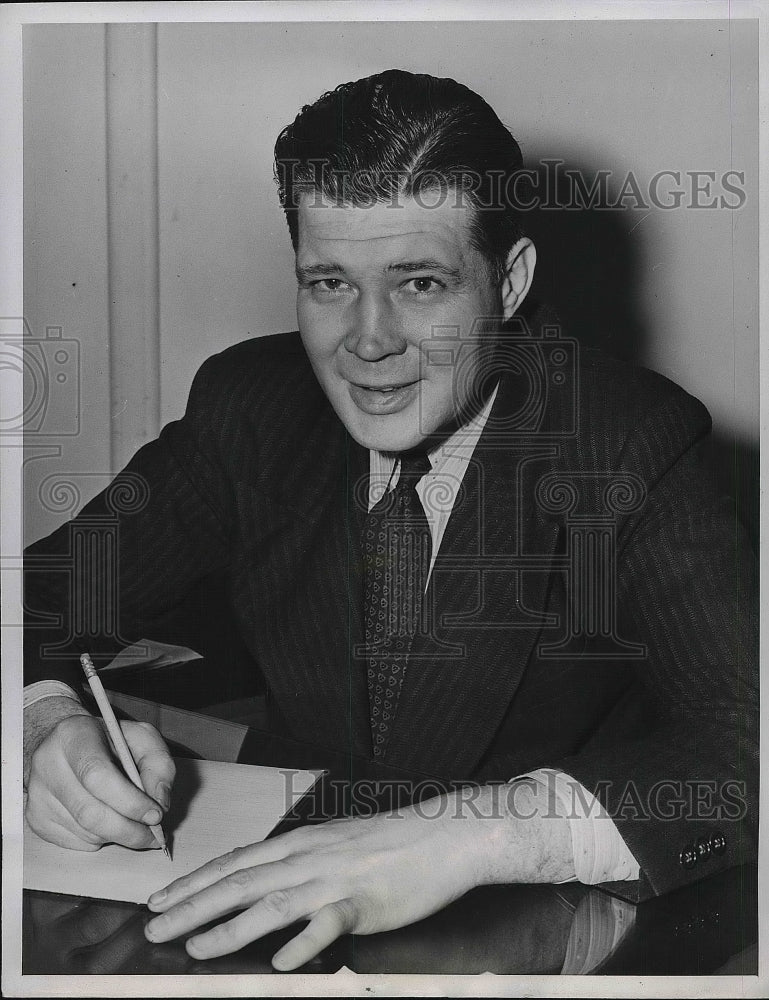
[
  {"x": 65, "y": 265},
  {"x": 675, "y": 290}
]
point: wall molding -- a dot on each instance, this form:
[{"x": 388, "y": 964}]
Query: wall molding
[{"x": 132, "y": 237}]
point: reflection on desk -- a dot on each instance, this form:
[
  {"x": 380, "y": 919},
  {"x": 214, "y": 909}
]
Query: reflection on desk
[
  {"x": 510, "y": 930},
  {"x": 71, "y": 935}
]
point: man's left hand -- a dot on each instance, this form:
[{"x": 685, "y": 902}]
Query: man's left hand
[{"x": 362, "y": 876}]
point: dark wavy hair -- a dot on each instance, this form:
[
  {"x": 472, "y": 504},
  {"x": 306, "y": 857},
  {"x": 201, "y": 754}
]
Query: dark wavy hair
[{"x": 402, "y": 134}]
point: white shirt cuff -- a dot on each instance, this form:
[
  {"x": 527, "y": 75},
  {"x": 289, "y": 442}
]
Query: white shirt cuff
[
  {"x": 48, "y": 689},
  {"x": 600, "y": 853},
  {"x": 600, "y": 923}
]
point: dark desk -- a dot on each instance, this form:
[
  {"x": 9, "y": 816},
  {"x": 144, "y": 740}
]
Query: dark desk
[{"x": 706, "y": 928}]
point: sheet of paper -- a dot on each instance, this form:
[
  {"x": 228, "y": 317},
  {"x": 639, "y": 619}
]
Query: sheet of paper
[
  {"x": 149, "y": 655},
  {"x": 216, "y": 807}
]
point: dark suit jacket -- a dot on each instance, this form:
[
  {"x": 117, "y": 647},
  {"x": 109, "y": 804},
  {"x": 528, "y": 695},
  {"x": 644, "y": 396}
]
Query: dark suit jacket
[{"x": 590, "y": 608}]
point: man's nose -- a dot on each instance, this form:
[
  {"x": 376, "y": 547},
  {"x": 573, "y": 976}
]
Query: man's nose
[{"x": 373, "y": 332}]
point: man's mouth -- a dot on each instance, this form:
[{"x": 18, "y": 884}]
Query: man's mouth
[
  {"x": 385, "y": 388},
  {"x": 385, "y": 398}
]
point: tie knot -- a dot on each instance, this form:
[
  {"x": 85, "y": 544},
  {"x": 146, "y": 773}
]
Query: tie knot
[{"x": 414, "y": 465}]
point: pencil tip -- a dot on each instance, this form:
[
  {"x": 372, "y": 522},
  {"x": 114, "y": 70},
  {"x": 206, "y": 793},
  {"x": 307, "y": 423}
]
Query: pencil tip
[{"x": 167, "y": 853}]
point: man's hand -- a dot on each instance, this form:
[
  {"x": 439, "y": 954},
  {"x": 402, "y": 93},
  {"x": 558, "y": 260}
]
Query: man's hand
[
  {"x": 77, "y": 794},
  {"x": 363, "y": 876}
]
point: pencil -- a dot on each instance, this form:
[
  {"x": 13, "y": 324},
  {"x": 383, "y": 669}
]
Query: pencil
[{"x": 118, "y": 740}]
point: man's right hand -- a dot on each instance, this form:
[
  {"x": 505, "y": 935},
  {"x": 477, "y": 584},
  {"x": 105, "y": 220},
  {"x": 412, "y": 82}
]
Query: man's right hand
[{"x": 77, "y": 794}]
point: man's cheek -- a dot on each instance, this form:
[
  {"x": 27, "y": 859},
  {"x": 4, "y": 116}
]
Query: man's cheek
[
  {"x": 434, "y": 405},
  {"x": 320, "y": 344}
]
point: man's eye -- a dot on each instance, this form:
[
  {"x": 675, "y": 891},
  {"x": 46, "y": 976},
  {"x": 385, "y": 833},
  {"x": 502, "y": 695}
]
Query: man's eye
[
  {"x": 329, "y": 286},
  {"x": 424, "y": 286}
]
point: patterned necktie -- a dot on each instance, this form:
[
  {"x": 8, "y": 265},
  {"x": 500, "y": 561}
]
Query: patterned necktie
[{"x": 397, "y": 549}]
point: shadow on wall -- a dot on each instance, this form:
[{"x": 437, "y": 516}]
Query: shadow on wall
[
  {"x": 587, "y": 272},
  {"x": 586, "y": 266}
]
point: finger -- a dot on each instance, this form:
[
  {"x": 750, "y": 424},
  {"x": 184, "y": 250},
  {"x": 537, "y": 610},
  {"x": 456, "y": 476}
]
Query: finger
[
  {"x": 104, "y": 779},
  {"x": 50, "y": 821},
  {"x": 234, "y": 892},
  {"x": 57, "y": 826},
  {"x": 108, "y": 825},
  {"x": 155, "y": 765},
  {"x": 276, "y": 909},
  {"x": 62, "y": 837},
  {"x": 213, "y": 871},
  {"x": 328, "y": 924}
]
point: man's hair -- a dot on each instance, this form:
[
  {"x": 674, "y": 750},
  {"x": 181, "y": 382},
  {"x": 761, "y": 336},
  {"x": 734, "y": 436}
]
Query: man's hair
[{"x": 403, "y": 134}]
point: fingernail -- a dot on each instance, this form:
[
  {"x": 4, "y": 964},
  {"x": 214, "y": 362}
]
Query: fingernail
[
  {"x": 163, "y": 794},
  {"x": 194, "y": 949},
  {"x": 157, "y": 897},
  {"x": 151, "y": 817}
]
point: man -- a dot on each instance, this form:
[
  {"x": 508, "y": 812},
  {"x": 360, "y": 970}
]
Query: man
[{"x": 451, "y": 543}]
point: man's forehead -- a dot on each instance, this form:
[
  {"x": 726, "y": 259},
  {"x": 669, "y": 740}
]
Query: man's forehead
[{"x": 442, "y": 221}]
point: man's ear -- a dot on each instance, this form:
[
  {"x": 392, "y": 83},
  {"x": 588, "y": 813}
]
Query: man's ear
[{"x": 519, "y": 273}]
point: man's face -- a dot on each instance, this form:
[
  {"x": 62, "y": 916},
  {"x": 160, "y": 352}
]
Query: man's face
[{"x": 376, "y": 285}]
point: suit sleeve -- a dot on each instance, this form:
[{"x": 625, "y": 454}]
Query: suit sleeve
[
  {"x": 684, "y": 797},
  {"x": 99, "y": 581}
]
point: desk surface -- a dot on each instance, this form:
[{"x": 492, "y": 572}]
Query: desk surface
[{"x": 706, "y": 928}]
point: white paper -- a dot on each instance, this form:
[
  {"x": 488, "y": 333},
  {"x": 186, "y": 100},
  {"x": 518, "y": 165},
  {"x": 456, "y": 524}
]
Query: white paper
[
  {"x": 216, "y": 806},
  {"x": 149, "y": 655}
]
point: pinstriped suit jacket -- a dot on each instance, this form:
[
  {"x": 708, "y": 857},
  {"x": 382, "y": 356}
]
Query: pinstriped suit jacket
[{"x": 591, "y": 607}]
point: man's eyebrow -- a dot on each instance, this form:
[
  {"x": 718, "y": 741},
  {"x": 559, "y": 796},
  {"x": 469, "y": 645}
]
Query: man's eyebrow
[
  {"x": 428, "y": 264},
  {"x": 317, "y": 270},
  {"x": 327, "y": 268}
]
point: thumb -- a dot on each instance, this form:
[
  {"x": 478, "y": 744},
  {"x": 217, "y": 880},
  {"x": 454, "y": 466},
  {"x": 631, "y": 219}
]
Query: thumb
[{"x": 153, "y": 761}]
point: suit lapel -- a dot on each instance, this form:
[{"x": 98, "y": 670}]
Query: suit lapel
[
  {"x": 484, "y": 607},
  {"x": 306, "y": 584}
]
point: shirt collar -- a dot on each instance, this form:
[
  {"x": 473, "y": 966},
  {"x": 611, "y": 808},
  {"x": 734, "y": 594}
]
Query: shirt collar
[{"x": 459, "y": 446}]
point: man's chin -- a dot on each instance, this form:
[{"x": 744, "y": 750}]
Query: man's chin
[{"x": 392, "y": 432}]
